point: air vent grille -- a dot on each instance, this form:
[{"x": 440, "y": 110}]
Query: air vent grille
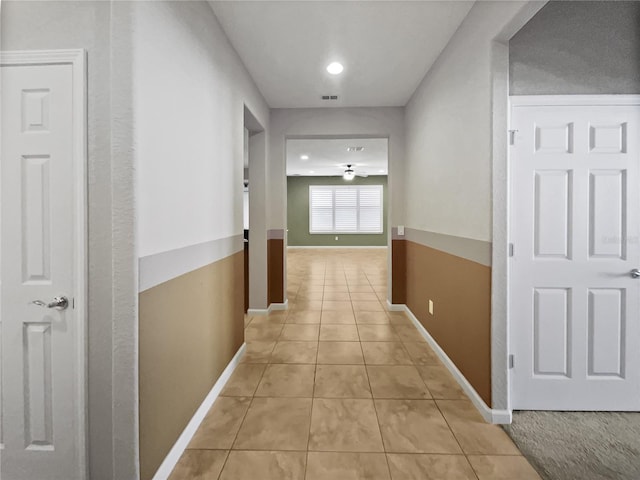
[
  {"x": 355, "y": 149},
  {"x": 329, "y": 97}
]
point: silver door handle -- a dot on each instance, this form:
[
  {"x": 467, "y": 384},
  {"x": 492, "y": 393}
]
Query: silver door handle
[
  {"x": 635, "y": 273},
  {"x": 59, "y": 303}
]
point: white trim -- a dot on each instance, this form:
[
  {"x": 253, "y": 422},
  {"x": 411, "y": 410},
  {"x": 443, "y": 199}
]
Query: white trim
[
  {"x": 500, "y": 389},
  {"x": 279, "y": 306},
  {"x": 170, "y": 461},
  {"x": 570, "y": 100},
  {"x": 77, "y": 59},
  {"x": 74, "y": 56},
  {"x": 490, "y": 415},
  {"x": 268, "y": 310},
  {"x": 164, "y": 266},
  {"x": 472, "y": 249},
  {"x": 396, "y": 307},
  {"x": 300, "y": 247}
]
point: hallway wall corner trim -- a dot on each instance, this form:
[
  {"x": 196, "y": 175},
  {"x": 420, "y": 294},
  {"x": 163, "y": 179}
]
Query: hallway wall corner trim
[
  {"x": 187, "y": 434},
  {"x": 267, "y": 311},
  {"x": 490, "y": 415}
]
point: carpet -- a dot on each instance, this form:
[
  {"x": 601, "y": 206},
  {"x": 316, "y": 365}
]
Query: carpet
[{"x": 579, "y": 445}]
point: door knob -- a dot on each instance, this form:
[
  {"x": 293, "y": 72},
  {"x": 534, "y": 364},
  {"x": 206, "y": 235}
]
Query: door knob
[
  {"x": 59, "y": 303},
  {"x": 635, "y": 273}
]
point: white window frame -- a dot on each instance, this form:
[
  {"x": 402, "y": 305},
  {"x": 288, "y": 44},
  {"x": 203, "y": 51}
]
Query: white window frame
[{"x": 333, "y": 191}]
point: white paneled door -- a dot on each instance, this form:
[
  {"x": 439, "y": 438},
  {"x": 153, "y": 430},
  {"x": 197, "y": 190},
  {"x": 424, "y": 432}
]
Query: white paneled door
[
  {"x": 41, "y": 255},
  {"x": 574, "y": 301}
]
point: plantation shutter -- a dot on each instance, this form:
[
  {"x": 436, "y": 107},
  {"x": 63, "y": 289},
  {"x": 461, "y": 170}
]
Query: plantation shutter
[
  {"x": 321, "y": 209},
  {"x": 370, "y": 209},
  {"x": 345, "y": 209}
]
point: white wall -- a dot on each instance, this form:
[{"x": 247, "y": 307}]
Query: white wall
[
  {"x": 190, "y": 88},
  {"x": 456, "y": 160},
  {"x": 449, "y": 131}
]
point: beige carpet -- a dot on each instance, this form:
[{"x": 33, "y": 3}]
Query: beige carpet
[{"x": 579, "y": 445}]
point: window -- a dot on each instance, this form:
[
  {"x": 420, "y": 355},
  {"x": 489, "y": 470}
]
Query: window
[{"x": 345, "y": 209}]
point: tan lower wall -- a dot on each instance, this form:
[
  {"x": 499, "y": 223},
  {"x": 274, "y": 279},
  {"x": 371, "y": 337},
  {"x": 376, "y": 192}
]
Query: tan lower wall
[
  {"x": 461, "y": 324},
  {"x": 190, "y": 328}
]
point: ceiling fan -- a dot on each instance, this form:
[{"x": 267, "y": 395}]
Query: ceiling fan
[{"x": 350, "y": 173}]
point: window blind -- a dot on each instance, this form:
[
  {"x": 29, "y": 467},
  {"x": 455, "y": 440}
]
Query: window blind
[
  {"x": 370, "y": 209},
  {"x": 321, "y": 201},
  {"x": 345, "y": 209}
]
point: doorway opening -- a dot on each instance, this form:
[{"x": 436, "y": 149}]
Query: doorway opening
[
  {"x": 254, "y": 214},
  {"x": 337, "y": 210}
]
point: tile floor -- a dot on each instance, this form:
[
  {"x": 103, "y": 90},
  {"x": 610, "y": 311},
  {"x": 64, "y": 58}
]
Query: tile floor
[{"x": 339, "y": 388}]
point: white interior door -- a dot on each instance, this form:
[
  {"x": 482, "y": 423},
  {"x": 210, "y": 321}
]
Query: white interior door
[
  {"x": 43, "y": 407},
  {"x": 574, "y": 303}
]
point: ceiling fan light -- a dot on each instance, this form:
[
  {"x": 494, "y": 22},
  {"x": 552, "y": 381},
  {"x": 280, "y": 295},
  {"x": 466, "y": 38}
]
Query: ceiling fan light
[
  {"x": 348, "y": 175},
  {"x": 335, "y": 68}
]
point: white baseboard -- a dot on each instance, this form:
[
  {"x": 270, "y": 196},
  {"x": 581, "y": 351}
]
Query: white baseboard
[
  {"x": 267, "y": 311},
  {"x": 187, "y": 434},
  {"x": 396, "y": 307},
  {"x": 489, "y": 414},
  {"x": 300, "y": 247},
  {"x": 279, "y": 306}
]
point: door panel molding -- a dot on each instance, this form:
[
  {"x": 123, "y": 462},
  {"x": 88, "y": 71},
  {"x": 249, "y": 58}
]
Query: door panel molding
[
  {"x": 600, "y": 300},
  {"x": 76, "y": 58}
]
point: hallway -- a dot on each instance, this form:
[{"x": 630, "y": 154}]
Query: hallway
[{"x": 339, "y": 388}]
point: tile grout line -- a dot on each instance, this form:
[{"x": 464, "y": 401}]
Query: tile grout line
[
  {"x": 313, "y": 391},
  {"x": 375, "y": 409},
  {"x": 456, "y": 439},
  {"x": 244, "y": 417},
  {"x": 444, "y": 454},
  {"x": 235, "y": 437}
]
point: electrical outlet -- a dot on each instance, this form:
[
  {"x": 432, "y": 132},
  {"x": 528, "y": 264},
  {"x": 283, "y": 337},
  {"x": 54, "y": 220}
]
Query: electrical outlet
[
  {"x": 401, "y": 230},
  {"x": 336, "y": 238},
  {"x": 430, "y": 307}
]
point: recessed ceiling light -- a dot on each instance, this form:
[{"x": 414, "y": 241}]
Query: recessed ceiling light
[
  {"x": 304, "y": 157},
  {"x": 335, "y": 68},
  {"x": 381, "y": 171},
  {"x": 311, "y": 171}
]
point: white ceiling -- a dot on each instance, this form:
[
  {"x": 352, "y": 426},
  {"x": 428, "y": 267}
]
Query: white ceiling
[
  {"x": 386, "y": 47},
  {"x": 329, "y": 157}
]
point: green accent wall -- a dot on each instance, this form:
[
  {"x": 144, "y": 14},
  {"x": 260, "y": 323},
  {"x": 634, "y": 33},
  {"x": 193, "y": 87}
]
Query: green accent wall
[{"x": 298, "y": 214}]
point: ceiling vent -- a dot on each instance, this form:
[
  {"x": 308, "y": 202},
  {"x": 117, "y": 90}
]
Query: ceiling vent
[
  {"x": 329, "y": 97},
  {"x": 355, "y": 149}
]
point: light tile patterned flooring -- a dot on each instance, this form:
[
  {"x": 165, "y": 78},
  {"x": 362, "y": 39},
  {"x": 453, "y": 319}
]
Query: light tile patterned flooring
[{"x": 339, "y": 388}]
